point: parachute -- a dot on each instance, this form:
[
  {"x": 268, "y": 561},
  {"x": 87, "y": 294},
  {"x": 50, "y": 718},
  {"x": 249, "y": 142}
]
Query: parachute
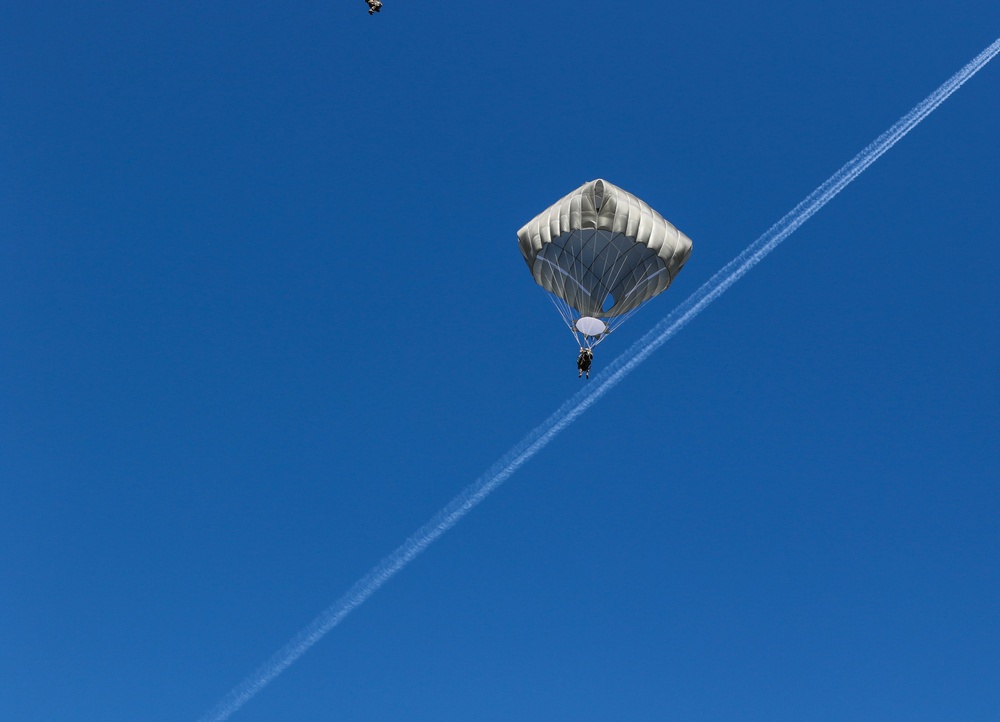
[{"x": 601, "y": 253}]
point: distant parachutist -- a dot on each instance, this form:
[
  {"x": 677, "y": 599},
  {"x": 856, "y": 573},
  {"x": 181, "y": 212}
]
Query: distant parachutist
[
  {"x": 583, "y": 362},
  {"x": 374, "y": 6}
]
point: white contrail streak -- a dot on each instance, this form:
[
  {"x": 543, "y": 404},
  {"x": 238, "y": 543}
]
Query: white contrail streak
[{"x": 617, "y": 370}]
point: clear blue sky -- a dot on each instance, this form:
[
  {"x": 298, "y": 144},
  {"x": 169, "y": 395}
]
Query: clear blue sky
[{"x": 262, "y": 313}]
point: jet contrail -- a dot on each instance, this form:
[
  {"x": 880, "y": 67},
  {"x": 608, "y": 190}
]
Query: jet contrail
[{"x": 617, "y": 370}]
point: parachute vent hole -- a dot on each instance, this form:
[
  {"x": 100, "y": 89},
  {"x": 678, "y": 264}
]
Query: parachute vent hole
[{"x": 609, "y": 301}]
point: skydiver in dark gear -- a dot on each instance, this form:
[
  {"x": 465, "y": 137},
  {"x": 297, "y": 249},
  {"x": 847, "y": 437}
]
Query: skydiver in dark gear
[
  {"x": 374, "y": 6},
  {"x": 584, "y": 361}
]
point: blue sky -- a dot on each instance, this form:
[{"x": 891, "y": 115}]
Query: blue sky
[{"x": 262, "y": 313}]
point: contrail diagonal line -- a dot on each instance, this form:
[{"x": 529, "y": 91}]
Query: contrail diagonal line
[{"x": 566, "y": 414}]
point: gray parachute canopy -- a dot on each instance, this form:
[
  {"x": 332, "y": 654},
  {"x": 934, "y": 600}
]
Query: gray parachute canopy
[{"x": 602, "y": 253}]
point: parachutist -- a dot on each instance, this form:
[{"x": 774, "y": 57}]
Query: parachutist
[
  {"x": 583, "y": 362},
  {"x": 374, "y": 6},
  {"x": 601, "y": 253}
]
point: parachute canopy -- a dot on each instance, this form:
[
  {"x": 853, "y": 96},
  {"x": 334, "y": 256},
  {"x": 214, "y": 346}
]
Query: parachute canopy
[{"x": 601, "y": 252}]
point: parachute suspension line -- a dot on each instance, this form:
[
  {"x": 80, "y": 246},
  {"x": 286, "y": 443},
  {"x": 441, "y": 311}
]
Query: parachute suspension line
[
  {"x": 617, "y": 267},
  {"x": 569, "y": 316},
  {"x": 619, "y": 320},
  {"x": 615, "y": 321},
  {"x": 563, "y": 308},
  {"x": 557, "y": 296},
  {"x": 670, "y": 280},
  {"x": 620, "y": 263},
  {"x": 601, "y": 284},
  {"x": 639, "y": 269}
]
